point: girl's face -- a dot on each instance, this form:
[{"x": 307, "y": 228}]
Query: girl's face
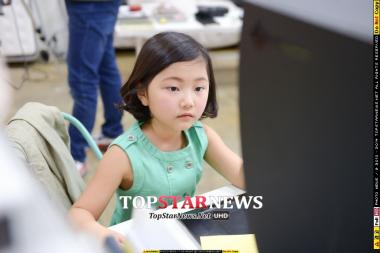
[{"x": 177, "y": 96}]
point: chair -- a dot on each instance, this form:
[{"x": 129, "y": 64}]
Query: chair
[
  {"x": 78, "y": 125},
  {"x": 39, "y": 137}
]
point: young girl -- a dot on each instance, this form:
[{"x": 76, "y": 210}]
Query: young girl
[{"x": 171, "y": 88}]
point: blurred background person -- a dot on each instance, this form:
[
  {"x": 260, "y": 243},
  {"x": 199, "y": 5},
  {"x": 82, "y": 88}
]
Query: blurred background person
[{"x": 92, "y": 66}]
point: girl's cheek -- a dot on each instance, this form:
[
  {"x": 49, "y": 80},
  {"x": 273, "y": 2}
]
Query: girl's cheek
[{"x": 167, "y": 104}]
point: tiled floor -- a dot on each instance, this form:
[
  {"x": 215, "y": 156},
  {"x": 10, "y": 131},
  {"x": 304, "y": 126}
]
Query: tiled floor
[{"x": 47, "y": 83}]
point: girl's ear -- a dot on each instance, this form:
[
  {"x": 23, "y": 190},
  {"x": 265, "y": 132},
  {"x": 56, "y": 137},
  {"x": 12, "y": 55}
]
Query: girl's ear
[{"x": 143, "y": 96}]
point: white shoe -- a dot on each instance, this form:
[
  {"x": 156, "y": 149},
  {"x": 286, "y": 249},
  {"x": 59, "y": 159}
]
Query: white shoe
[
  {"x": 81, "y": 167},
  {"x": 103, "y": 142}
]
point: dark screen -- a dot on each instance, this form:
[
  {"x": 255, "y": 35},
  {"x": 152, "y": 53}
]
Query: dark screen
[{"x": 306, "y": 120}]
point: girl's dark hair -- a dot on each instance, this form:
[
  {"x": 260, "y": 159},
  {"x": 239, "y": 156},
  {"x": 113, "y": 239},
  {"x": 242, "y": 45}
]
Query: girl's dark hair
[{"x": 158, "y": 53}]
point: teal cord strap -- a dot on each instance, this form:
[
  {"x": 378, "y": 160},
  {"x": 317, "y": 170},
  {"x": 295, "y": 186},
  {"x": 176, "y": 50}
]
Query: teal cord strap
[{"x": 78, "y": 125}]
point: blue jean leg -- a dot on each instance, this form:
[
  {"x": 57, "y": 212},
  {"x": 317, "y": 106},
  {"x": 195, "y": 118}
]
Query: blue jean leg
[
  {"x": 110, "y": 84},
  {"x": 87, "y": 46}
]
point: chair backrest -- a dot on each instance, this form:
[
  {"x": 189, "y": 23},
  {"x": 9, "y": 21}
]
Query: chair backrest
[
  {"x": 39, "y": 137},
  {"x": 78, "y": 125}
]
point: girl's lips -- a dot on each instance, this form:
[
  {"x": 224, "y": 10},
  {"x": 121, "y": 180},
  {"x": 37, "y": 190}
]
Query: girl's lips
[{"x": 186, "y": 115}]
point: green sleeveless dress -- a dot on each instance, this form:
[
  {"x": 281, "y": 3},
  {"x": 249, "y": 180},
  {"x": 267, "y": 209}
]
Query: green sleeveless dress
[{"x": 158, "y": 173}]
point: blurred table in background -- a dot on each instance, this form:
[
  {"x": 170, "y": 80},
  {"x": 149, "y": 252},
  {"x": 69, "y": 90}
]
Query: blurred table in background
[{"x": 137, "y": 23}]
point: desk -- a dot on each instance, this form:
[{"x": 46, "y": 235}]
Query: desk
[
  {"x": 145, "y": 232},
  {"x": 226, "y": 32}
]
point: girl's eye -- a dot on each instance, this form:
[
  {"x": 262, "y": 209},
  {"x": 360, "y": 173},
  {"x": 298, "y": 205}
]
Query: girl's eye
[
  {"x": 199, "y": 88},
  {"x": 172, "y": 88}
]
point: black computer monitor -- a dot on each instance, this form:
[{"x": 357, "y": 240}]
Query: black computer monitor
[{"x": 306, "y": 106}]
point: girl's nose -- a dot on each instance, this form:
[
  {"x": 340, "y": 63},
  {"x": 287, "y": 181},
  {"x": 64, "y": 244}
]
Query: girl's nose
[{"x": 187, "y": 101}]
